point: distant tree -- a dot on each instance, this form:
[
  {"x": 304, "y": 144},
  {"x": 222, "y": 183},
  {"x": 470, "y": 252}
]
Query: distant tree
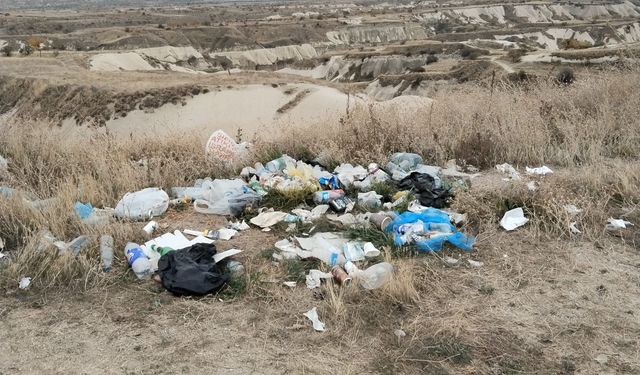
[{"x": 36, "y": 43}]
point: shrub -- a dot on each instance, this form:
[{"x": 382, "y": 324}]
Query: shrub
[
  {"x": 515, "y": 55},
  {"x": 565, "y": 76},
  {"x": 431, "y": 59},
  {"x": 7, "y": 50}
]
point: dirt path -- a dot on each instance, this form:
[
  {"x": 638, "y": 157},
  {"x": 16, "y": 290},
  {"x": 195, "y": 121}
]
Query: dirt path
[{"x": 546, "y": 307}]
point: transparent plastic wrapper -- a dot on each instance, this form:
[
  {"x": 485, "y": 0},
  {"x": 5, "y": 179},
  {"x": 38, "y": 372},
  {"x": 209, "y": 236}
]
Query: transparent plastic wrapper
[
  {"x": 225, "y": 197},
  {"x": 406, "y": 160},
  {"x": 143, "y": 204}
]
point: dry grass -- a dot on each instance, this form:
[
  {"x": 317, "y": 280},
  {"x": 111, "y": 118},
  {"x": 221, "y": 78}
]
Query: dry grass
[{"x": 588, "y": 122}]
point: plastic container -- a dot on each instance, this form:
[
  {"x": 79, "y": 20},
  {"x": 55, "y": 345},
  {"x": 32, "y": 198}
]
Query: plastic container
[
  {"x": 139, "y": 262},
  {"x": 106, "y": 252},
  {"x": 327, "y": 196},
  {"x": 328, "y": 253}
]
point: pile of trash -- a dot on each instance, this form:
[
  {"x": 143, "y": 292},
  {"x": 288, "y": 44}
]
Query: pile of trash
[{"x": 346, "y": 196}]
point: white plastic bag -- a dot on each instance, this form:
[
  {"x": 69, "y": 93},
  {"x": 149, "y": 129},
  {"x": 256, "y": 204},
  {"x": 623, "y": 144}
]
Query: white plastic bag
[
  {"x": 221, "y": 148},
  {"x": 513, "y": 219},
  {"x": 143, "y": 204}
]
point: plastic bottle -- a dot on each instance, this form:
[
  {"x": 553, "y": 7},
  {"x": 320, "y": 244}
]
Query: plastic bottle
[
  {"x": 106, "y": 252},
  {"x": 373, "y": 277},
  {"x": 78, "y": 244},
  {"x": 138, "y": 261},
  {"x": 327, "y": 196}
]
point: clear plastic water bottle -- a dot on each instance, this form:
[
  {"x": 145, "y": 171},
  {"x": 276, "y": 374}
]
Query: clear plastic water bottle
[
  {"x": 78, "y": 244},
  {"x": 138, "y": 261},
  {"x": 106, "y": 252},
  {"x": 373, "y": 277}
]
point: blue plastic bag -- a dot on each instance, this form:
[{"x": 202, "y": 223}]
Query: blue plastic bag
[{"x": 433, "y": 220}]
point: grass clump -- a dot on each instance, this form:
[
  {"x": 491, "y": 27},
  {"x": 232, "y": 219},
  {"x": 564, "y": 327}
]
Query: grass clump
[{"x": 287, "y": 200}]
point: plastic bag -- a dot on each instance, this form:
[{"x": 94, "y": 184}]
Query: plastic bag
[
  {"x": 143, "y": 204},
  {"x": 225, "y": 197},
  {"x": 432, "y": 222},
  {"x": 221, "y": 148}
]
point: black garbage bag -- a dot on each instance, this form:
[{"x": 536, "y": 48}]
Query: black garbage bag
[
  {"x": 423, "y": 187},
  {"x": 192, "y": 271}
]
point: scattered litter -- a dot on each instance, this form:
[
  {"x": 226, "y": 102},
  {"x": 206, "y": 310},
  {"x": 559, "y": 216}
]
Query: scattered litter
[
  {"x": 268, "y": 218},
  {"x": 226, "y": 234},
  {"x": 150, "y": 227},
  {"x": 4, "y": 167},
  {"x": 474, "y": 263},
  {"x": 426, "y": 189},
  {"x": 225, "y": 254},
  {"x": 313, "y": 317},
  {"x": 212, "y": 234},
  {"x": 2, "y": 255},
  {"x": 226, "y": 197},
  {"x": 291, "y": 251},
  {"x": 318, "y": 211},
  {"x": 370, "y": 250},
  {"x": 429, "y": 230},
  {"x": 223, "y": 149},
  {"x": 78, "y": 244},
  {"x": 106, "y": 252},
  {"x": 602, "y": 359},
  {"x": 399, "y": 333},
  {"x": 544, "y": 170},
  {"x": 346, "y": 219},
  {"x": 1, "y": 244},
  {"x": 373, "y": 277},
  {"x": 353, "y": 251},
  {"x": 617, "y": 224},
  {"x": 513, "y": 219},
  {"x": 192, "y": 271},
  {"x": 24, "y": 283},
  {"x": 369, "y": 200},
  {"x": 239, "y": 226},
  {"x": 510, "y": 170},
  {"x": 313, "y": 278},
  {"x": 235, "y": 268},
  {"x": 451, "y": 261},
  {"x": 572, "y": 209},
  {"x": 266, "y": 230},
  {"x": 532, "y": 186},
  {"x": 290, "y": 284},
  {"x": 143, "y": 204},
  {"x": 573, "y": 228},
  {"x": 327, "y": 247}
]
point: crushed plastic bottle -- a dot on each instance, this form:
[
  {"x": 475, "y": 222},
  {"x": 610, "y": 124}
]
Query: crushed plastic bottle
[{"x": 106, "y": 252}]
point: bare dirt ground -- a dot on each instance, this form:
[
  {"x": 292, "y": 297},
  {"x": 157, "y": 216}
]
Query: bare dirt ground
[{"x": 535, "y": 306}]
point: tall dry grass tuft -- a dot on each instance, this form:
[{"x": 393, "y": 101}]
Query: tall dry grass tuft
[{"x": 596, "y": 118}]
